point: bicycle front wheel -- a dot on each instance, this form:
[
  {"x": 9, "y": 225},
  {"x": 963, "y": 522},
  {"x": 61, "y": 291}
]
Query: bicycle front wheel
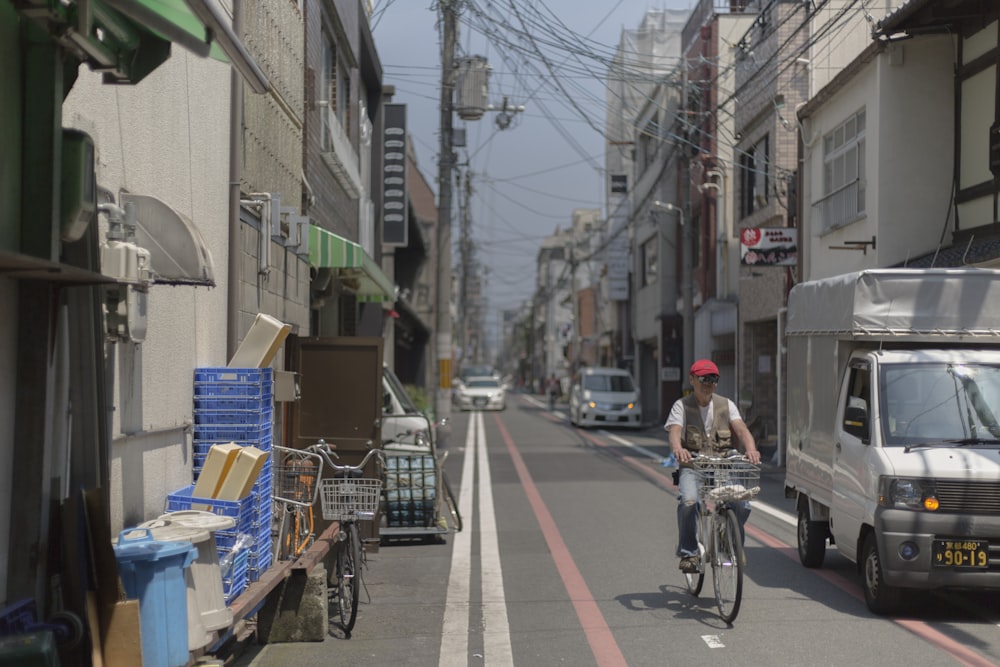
[
  {"x": 727, "y": 564},
  {"x": 348, "y": 576}
]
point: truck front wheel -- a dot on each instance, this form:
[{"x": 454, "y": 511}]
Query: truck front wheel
[
  {"x": 812, "y": 537},
  {"x": 879, "y": 596}
]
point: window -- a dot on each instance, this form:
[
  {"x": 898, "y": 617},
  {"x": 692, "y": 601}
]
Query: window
[
  {"x": 335, "y": 93},
  {"x": 753, "y": 165},
  {"x": 843, "y": 173},
  {"x": 649, "y": 261},
  {"x": 856, "y": 421},
  {"x": 326, "y": 93}
]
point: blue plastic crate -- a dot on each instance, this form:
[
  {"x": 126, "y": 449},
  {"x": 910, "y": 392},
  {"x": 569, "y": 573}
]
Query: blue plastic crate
[
  {"x": 201, "y": 447},
  {"x": 240, "y": 510},
  {"x": 259, "y": 416},
  {"x": 234, "y": 390},
  {"x": 234, "y": 584},
  {"x": 262, "y": 487},
  {"x": 223, "y": 433},
  {"x": 223, "y": 374},
  {"x": 229, "y": 401},
  {"x": 18, "y": 618},
  {"x": 259, "y": 564}
]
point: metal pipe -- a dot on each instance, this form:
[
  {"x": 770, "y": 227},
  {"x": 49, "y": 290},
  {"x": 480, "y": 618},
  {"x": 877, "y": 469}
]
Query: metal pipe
[
  {"x": 235, "y": 173},
  {"x": 687, "y": 288}
]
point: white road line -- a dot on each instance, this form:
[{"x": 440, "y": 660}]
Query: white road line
[
  {"x": 455, "y": 628},
  {"x": 778, "y": 514},
  {"x": 632, "y": 445},
  {"x": 496, "y": 628},
  {"x": 713, "y": 641}
]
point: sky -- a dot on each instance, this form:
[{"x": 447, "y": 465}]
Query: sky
[{"x": 549, "y": 56}]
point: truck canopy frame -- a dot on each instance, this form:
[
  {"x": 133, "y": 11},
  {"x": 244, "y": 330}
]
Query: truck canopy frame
[{"x": 897, "y": 304}]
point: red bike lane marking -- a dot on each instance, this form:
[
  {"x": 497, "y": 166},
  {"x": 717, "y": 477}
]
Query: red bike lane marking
[
  {"x": 602, "y": 642},
  {"x": 963, "y": 654}
]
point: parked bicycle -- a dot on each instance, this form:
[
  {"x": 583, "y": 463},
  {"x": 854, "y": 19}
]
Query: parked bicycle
[
  {"x": 348, "y": 498},
  {"x": 725, "y": 482},
  {"x": 296, "y": 487}
]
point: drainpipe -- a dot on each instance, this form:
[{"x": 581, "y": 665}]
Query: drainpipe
[{"x": 235, "y": 154}]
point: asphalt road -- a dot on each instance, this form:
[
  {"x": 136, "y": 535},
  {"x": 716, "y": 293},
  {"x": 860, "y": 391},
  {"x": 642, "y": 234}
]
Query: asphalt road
[{"x": 567, "y": 557}]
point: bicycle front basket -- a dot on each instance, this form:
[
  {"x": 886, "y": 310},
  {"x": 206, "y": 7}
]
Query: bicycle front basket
[
  {"x": 730, "y": 481},
  {"x": 350, "y": 499}
]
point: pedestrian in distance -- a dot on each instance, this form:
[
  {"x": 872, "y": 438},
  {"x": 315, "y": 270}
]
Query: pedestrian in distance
[
  {"x": 553, "y": 390},
  {"x": 703, "y": 422}
]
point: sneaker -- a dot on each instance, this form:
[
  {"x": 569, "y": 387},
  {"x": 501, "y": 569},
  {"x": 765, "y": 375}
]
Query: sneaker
[{"x": 689, "y": 564}]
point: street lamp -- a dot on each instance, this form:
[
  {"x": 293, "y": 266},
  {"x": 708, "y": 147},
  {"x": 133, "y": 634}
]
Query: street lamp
[{"x": 686, "y": 281}]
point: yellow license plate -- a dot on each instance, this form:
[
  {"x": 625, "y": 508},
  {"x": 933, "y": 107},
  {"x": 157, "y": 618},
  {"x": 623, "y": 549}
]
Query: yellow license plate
[{"x": 966, "y": 554}]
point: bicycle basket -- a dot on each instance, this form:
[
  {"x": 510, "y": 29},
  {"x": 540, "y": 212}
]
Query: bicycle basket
[
  {"x": 729, "y": 480},
  {"x": 296, "y": 476},
  {"x": 350, "y": 499}
]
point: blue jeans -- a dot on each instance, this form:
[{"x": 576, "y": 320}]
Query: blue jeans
[{"x": 687, "y": 512}]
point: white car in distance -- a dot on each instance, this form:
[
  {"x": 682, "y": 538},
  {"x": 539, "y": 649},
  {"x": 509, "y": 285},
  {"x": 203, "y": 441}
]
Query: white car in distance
[{"x": 481, "y": 393}]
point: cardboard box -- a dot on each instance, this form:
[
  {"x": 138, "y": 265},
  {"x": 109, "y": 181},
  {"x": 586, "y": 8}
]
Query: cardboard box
[{"x": 120, "y": 629}]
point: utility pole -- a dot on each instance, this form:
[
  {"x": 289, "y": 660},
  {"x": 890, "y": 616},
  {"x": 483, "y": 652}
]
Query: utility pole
[
  {"x": 575, "y": 363},
  {"x": 469, "y": 331},
  {"x": 446, "y": 160}
]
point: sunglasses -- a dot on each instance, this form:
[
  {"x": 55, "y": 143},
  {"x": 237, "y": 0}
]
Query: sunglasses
[{"x": 708, "y": 379}]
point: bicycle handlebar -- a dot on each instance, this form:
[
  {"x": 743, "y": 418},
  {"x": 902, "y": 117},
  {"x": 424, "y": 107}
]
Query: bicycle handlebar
[
  {"x": 324, "y": 449},
  {"x": 730, "y": 456}
]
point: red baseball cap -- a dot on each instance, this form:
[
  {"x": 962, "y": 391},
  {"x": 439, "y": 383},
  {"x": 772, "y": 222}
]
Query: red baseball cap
[{"x": 704, "y": 367}]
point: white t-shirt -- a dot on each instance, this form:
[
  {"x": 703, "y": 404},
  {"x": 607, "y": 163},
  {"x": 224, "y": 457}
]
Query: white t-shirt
[{"x": 677, "y": 415}]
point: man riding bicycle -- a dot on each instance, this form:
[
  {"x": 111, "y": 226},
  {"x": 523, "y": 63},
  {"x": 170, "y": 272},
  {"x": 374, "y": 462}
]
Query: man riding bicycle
[{"x": 708, "y": 424}]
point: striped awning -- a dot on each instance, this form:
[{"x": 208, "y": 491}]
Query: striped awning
[{"x": 368, "y": 282}]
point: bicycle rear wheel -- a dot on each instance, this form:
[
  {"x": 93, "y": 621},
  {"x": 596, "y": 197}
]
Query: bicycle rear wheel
[
  {"x": 451, "y": 502},
  {"x": 727, "y": 564},
  {"x": 695, "y": 580},
  {"x": 348, "y": 576}
]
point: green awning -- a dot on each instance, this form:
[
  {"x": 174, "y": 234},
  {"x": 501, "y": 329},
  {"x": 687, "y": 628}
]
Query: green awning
[
  {"x": 128, "y": 39},
  {"x": 327, "y": 250},
  {"x": 200, "y": 27}
]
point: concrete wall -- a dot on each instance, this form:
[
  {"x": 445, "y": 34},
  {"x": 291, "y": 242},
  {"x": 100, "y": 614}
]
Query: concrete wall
[
  {"x": 168, "y": 137},
  {"x": 902, "y": 149}
]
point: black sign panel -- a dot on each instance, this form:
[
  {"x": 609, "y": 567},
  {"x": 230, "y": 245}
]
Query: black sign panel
[
  {"x": 395, "y": 203},
  {"x": 619, "y": 184}
]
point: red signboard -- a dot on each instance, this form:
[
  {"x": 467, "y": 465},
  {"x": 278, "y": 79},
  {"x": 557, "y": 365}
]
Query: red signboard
[{"x": 769, "y": 246}]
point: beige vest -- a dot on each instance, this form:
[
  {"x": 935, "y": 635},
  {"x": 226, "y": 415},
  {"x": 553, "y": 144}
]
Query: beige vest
[{"x": 695, "y": 438}]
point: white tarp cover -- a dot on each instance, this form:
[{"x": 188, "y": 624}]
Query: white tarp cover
[{"x": 898, "y": 302}]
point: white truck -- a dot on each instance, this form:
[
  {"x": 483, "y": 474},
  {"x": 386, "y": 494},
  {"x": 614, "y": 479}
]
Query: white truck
[{"x": 892, "y": 441}]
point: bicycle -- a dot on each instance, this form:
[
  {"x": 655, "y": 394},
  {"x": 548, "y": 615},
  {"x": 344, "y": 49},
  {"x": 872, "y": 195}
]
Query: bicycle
[
  {"x": 348, "y": 498},
  {"x": 725, "y": 481},
  {"x": 295, "y": 490}
]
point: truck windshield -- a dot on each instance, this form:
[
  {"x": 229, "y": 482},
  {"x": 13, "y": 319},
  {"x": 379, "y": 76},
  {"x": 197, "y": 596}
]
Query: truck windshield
[{"x": 927, "y": 403}]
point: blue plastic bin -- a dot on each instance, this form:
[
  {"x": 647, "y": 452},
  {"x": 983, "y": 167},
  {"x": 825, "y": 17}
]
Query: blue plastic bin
[{"x": 153, "y": 572}]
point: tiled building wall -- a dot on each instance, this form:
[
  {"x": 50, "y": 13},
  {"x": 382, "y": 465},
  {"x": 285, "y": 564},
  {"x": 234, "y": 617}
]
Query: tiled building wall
[
  {"x": 272, "y": 149},
  {"x": 331, "y": 207},
  {"x": 283, "y": 292}
]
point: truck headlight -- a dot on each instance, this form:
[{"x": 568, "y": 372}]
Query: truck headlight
[{"x": 908, "y": 493}]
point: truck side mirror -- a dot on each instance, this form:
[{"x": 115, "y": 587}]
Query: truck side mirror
[{"x": 856, "y": 422}]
